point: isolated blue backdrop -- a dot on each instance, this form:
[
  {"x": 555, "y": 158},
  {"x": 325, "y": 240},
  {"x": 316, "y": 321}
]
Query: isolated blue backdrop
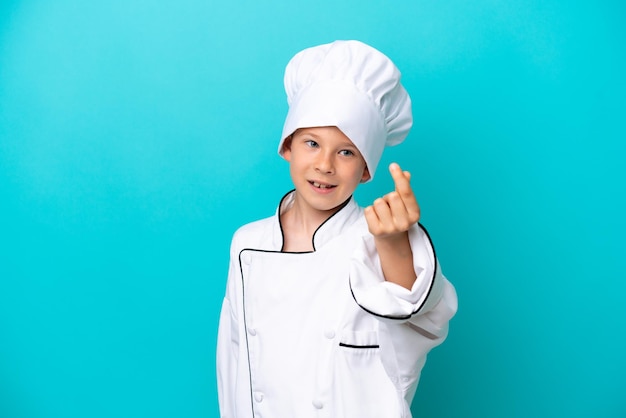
[{"x": 136, "y": 136}]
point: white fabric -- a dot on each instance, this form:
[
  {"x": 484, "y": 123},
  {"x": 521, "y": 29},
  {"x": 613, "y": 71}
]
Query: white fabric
[
  {"x": 322, "y": 334},
  {"x": 352, "y": 86}
]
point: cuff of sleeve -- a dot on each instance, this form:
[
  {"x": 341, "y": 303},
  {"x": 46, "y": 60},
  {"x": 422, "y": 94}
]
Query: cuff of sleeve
[{"x": 388, "y": 300}]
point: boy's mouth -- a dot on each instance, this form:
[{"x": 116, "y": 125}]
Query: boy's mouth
[{"x": 321, "y": 185}]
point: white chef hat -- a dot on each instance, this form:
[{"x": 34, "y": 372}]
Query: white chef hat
[{"x": 352, "y": 86}]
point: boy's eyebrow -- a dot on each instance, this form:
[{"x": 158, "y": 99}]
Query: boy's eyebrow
[{"x": 304, "y": 132}]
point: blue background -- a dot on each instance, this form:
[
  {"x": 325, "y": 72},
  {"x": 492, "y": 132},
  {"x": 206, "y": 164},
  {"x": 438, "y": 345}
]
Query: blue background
[{"x": 136, "y": 136}]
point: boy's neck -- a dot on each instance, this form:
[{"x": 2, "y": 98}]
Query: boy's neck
[{"x": 300, "y": 223}]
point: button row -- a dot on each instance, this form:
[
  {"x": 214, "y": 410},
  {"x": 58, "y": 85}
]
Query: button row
[
  {"x": 258, "y": 397},
  {"x": 330, "y": 334}
]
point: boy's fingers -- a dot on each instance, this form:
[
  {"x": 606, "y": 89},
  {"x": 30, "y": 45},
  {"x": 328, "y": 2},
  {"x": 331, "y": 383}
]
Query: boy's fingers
[
  {"x": 401, "y": 180},
  {"x": 396, "y": 204},
  {"x": 402, "y": 183},
  {"x": 400, "y": 215},
  {"x": 373, "y": 222},
  {"x": 397, "y": 210},
  {"x": 383, "y": 211}
]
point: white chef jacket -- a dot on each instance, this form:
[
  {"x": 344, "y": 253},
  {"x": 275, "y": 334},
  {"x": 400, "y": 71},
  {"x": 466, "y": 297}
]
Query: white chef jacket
[{"x": 321, "y": 333}]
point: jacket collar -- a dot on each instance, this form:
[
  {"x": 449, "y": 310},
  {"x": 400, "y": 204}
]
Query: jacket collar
[{"x": 329, "y": 229}]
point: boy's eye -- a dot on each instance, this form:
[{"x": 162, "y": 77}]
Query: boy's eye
[
  {"x": 346, "y": 153},
  {"x": 311, "y": 143}
]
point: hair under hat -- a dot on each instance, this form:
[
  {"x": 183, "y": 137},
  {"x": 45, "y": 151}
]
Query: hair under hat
[{"x": 352, "y": 86}]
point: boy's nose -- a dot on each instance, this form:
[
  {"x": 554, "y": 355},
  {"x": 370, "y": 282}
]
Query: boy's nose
[{"x": 324, "y": 164}]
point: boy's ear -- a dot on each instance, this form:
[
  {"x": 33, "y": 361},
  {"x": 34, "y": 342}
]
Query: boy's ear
[
  {"x": 366, "y": 175},
  {"x": 286, "y": 151}
]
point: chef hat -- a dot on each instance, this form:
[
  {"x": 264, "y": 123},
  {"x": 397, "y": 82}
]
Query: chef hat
[{"x": 352, "y": 86}]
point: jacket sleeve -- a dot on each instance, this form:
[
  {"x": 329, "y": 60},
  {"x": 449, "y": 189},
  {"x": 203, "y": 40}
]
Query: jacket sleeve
[
  {"x": 412, "y": 322},
  {"x": 393, "y": 303},
  {"x": 228, "y": 341}
]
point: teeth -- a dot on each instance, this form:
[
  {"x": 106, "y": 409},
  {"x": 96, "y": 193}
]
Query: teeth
[{"x": 321, "y": 186}]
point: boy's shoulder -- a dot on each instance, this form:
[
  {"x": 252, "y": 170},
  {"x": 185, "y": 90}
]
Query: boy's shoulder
[
  {"x": 256, "y": 226},
  {"x": 256, "y": 234}
]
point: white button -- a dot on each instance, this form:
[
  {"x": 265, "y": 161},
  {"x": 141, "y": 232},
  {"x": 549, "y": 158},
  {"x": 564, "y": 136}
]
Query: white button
[
  {"x": 405, "y": 379},
  {"x": 330, "y": 334},
  {"x": 258, "y": 396},
  {"x": 247, "y": 258},
  {"x": 252, "y": 331},
  {"x": 318, "y": 404}
]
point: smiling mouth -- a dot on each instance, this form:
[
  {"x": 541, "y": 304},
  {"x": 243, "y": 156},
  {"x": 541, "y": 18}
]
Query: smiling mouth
[{"x": 321, "y": 186}]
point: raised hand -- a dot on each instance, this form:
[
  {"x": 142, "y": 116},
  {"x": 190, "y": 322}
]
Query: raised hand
[{"x": 392, "y": 215}]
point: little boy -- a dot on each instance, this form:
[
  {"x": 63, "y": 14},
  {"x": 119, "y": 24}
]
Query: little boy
[{"x": 330, "y": 309}]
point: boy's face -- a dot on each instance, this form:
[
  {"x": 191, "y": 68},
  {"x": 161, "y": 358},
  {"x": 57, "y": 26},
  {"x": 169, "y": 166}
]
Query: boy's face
[{"x": 325, "y": 167}]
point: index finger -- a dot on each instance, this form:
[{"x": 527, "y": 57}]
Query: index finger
[{"x": 401, "y": 180}]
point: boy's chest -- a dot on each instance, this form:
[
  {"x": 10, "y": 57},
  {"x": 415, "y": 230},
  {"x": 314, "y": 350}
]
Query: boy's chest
[
  {"x": 286, "y": 290},
  {"x": 309, "y": 292}
]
